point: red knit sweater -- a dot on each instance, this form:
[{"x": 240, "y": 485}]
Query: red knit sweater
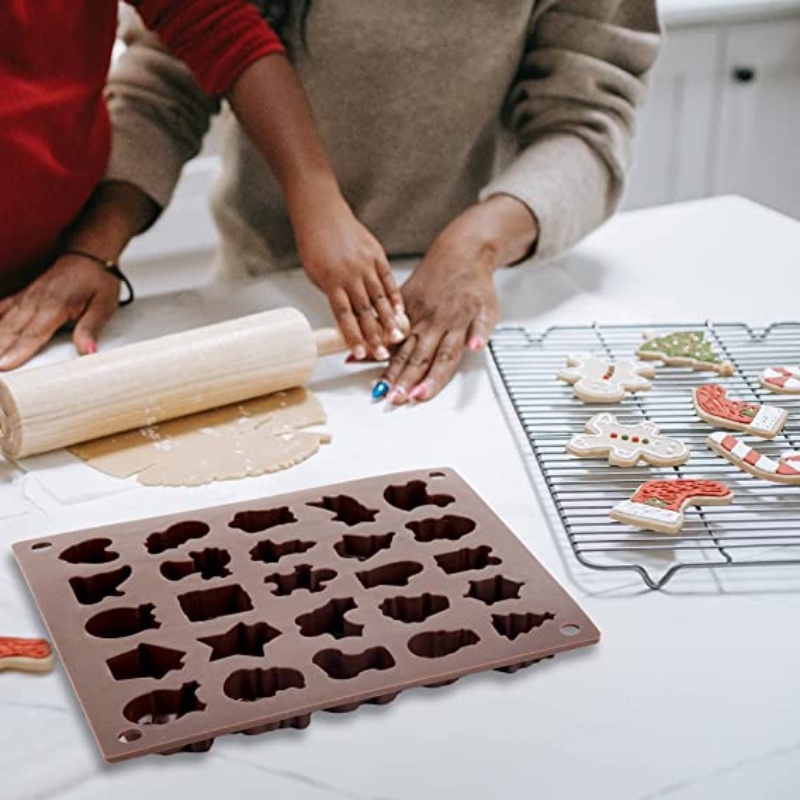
[{"x": 54, "y": 131}]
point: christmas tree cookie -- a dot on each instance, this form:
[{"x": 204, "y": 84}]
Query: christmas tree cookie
[
  {"x": 659, "y": 505},
  {"x": 713, "y": 405},
  {"x": 685, "y": 349}
]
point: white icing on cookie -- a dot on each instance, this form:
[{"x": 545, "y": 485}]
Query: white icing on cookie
[
  {"x": 652, "y": 513},
  {"x": 767, "y": 420},
  {"x": 598, "y": 380}
]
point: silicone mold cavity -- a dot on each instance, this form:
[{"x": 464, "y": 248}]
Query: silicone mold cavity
[
  {"x": 513, "y": 625},
  {"x": 346, "y": 509},
  {"x": 303, "y": 577},
  {"x": 397, "y": 574},
  {"x": 175, "y": 536},
  {"x": 414, "y": 494},
  {"x": 241, "y": 640},
  {"x": 363, "y": 547},
  {"x": 164, "y": 705},
  {"x": 414, "y": 609},
  {"x": 438, "y": 644},
  {"x": 208, "y": 604},
  {"x": 209, "y": 563},
  {"x": 330, "y": 619},
  {"x": 466, "y": 560},
  {"x": 96, "y": 588},
  {"x": 145, "y": 661},
  {"x": 270, "y": 552},
  {"x": 117, "y": 623},
  {"x": 343, "y": 666},
  {"x": 92, "y": 551},
  {"x": 494, "y": 590},
  {"x": 257, "y": 521},
  {"x": 450, "y": 527},
  {"x": 250, "y": 685}
]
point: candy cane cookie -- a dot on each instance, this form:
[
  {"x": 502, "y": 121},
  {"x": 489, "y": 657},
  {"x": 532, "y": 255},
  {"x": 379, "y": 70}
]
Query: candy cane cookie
[
  {"x": 25, "y": 655},
  {"x": 785, "y": 470},
  {"x": 659, "y": 505},
  {"x": 684, "y": 349},
  {"x": 781, "y": 380},
  {"x": 715, "y": 407},
  {"x": 596, "y": 379}
]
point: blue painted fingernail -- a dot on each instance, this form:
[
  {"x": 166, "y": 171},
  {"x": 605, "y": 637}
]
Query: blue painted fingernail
[{"x": 380, "y": 390}]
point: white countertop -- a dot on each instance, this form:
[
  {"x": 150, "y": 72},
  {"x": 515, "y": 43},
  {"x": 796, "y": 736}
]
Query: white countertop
[
  {"x": 691, "y": 695},
  {"x": 676, "y": 13}
]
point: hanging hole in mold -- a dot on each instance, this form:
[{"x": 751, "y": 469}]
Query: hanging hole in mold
[
  {"x": 397, "y": 574},
  {"x": 414, "y": 609},
  {"x": 414, "y": 494},
  {"x": 128, "y": 737},
  {"x": 303, "y": 577},
  {"x": 97, "y": 588},
  {"x": 437, "y": 476},
  {"x": 257, "y": 521},
  {"x": 164, "y": 705},
  {"x": 466, "y": 560},
  {"x": 92, "y": 551},
  {"x": 223, "y": 601},
  {"x": 175, "y": 536},
  {"x": 494, "y": 590},
  {"x": 346, "y": 509},
  {"x": 270, "y": 552},
  {"x": 363, "y": 547},
  {"x": 570, "y": 630},
  {"x": 145, "y": 661},
  {"x": 331, "y": 619},
  {"x": 241, "y": 640},
  {"x": 41, "y": 545},
  {"x": 116, "y": 623},
  {"x": 439, "y": 644},
  {"x": 344, "y": 666},
  {"x": 250, "y": 685},
  {"x": 449, "y": 527},
  {"x": 209, "y": 563},
  {"x": 513, "y": 625}
]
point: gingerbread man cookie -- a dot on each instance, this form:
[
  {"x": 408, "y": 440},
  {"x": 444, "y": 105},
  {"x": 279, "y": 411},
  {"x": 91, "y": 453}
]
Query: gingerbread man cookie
[
  {"x": 714, "y": 406},
  {"x": 595, "y": 379},
  {"x": 684, "y": 349},
  {"x": 25, "y": 655},
  {"x": 659, "y": 505},
  {"x": 781, "y": 380},
  {"x": 627, "y": 445},
  {"x": 785, "y": 470}
]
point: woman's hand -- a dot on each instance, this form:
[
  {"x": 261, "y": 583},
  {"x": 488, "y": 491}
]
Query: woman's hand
[{"x": 72, "y": 290}]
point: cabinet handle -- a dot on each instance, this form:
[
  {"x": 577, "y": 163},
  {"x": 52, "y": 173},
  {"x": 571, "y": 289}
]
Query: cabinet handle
[{"x": 744, "y": 74}]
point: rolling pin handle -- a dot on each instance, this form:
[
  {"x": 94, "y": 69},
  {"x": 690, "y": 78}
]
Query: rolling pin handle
[{"x": 329, "y": 341}]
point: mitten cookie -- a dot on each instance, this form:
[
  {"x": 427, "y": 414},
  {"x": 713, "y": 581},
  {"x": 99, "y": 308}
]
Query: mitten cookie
[
  {"x": 595, "y": 379},
  {"x": 26, "y": 655},
  {"x": 684, "y": 349},
  {"x": 785, "y": 470},
  {"x": 659, "y": 505},
  {"x": 713, "y": 406},
  {"x": 627, "y": 445},
  {"x": 782, "y": 380}
]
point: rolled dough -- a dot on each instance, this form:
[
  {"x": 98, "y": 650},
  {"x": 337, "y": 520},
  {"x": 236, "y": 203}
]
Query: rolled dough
[{"x": 236, "y": 441}]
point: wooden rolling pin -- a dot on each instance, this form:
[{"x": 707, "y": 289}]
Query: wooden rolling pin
[{"x": 141, "y": 384}]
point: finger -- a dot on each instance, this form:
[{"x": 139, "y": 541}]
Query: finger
[
  {"x": 368, "y": 322},
  {"x": 28, "y": 340},
  {"x": 390, "y": 287},
  {"x": 384, "y": 310},
  {"x": 481, "y": 329},
  {"x": 6, "y": 303},
  {"x": 99, "y": 311},
  {"x": 415, "y": 365},
  {"x": 445, "y": 362},
  {"x": 348, "y": 324}
]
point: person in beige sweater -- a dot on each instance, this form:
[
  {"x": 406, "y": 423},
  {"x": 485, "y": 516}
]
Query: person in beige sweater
[{"x": 472, "y": 133}]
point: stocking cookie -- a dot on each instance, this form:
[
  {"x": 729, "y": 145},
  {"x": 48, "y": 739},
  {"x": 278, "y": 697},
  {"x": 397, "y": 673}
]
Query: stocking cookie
[
  {"x": 684, "y": 349},
  {"x": 595, "y": 379},
  {"x": 714, "y": 406},
  {"x": 781, "y": 380},
  {"x": 627, "y": 445},
  {"x": 785, "y": 470},
  {"x": 25, "y": 655},
  {"x": 659, "y": 505}
]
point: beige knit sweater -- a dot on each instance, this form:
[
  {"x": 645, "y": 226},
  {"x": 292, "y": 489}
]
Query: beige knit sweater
[{"x": 425, "y": 106}]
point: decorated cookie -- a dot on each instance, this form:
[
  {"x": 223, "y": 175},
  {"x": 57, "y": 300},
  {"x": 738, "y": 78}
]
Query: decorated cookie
[
  {"x": 684, "y": 349},
  {"x": 595, "y": 379},
  {"x": 714, "y": 406},
  {"x": 785, "y": 470},
  {"x": 782, "y": 380},
  {"x": 26, "y": 655},
  {"x": 627, "y": 445},
  {"x": 659, "y": 505}
]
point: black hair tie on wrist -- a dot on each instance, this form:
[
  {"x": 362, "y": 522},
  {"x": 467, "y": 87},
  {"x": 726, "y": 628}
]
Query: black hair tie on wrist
[{"x": 109, "y": 266}]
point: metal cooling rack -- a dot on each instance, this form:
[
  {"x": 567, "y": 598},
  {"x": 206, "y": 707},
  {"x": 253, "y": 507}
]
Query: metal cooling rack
[{"x": 760, "y": 528}]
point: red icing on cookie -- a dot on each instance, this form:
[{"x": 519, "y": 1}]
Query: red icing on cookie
[
  {"x": 713, "y": 400},
  {"x": 24, "y": 648},
  {"x": 671, "y": 495}
]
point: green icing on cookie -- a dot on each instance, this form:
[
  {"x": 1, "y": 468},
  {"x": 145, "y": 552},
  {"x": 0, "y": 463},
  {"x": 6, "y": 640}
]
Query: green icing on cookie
[
  {"x": 686, "y": 344},
  {"x": 654, "y": 501}
]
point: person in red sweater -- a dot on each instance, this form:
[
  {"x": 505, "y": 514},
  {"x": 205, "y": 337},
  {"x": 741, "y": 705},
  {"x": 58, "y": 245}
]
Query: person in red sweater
[{"x": 54, "y": 148}]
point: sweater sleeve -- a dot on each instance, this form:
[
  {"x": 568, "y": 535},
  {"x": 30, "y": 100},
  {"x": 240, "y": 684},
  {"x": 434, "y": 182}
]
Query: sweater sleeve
[
  {"x": 217, "y": 39},
  {"x": 572, "y": 110}
]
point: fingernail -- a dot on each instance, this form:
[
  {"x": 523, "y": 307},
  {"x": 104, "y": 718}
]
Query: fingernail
[
  {"x": 380, "y": 390},
  {"x": 396, "y": 335},
  {"x": 419, "y": 392},
  {"x": 402, "y": 320},
  {"x": 360, "y": 352},
  {"x": 91, "y": 348},
  {"x": 397, "y": 394},
  {"x": 381, "y": 353},
  {"x": 476, "y": 343}
]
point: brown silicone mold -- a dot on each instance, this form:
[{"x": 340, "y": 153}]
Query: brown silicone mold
[{"x": 249, "y": 617}]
